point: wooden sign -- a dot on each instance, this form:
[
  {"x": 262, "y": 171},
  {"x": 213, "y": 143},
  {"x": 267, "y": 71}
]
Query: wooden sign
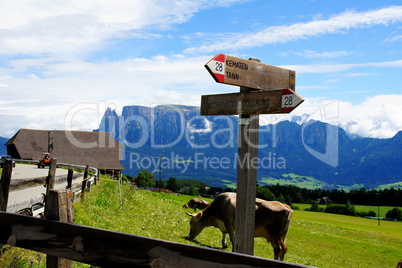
[
  {"x": 252, "y": 76},
  {"x": 247, "y": 73},
  {"x": 248, "y": 103}
]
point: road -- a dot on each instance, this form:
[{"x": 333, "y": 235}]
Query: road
[
  {"x": 25, "y": 171},
  {"x": 30, "y": 172}
]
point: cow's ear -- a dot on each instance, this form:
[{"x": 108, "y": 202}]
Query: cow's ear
[
  {"x": 198, "y": 216},
  {"x": 191, "y": 215}
]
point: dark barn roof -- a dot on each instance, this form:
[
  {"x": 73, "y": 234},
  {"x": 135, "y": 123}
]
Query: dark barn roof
[{"x": 97, "y": 149}]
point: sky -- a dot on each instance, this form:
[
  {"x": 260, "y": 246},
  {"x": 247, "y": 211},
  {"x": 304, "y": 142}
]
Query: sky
[{"x": 62, "y": 63}]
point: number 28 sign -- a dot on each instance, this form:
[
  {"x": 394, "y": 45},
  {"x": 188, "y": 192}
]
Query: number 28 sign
[{"x": 248, "y": 103}]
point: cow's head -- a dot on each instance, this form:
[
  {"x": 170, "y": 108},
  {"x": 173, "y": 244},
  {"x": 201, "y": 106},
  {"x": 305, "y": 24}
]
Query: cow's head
[{"x": 196, "y": 226}]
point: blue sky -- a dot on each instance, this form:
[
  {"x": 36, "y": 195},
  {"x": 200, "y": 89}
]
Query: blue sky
[{"x": 63, "y": 62}]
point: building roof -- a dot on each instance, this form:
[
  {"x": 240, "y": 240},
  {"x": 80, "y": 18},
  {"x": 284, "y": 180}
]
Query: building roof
[{"x": 97, "y": 149}]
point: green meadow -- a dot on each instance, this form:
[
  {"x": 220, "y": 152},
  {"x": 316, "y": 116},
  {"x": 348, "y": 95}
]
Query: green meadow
[{"x": 315, "y": 239}]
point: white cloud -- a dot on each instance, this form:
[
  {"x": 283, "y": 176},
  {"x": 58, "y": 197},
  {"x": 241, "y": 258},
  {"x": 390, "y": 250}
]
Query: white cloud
[
  {"x": 394, "y": 38},
  {"x": 281, "y": 34},
  {"x": 335, "y": 68},
  {"x": 73, "y": 27},
  {"x": 315, "y": 54},
  {"x": 376, "y": 117},
  {"x": 45, "y": 102}
]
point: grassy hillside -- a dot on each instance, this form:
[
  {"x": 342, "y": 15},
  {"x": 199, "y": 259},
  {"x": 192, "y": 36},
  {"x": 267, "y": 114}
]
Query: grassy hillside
[{"x": 316, "y": 239}]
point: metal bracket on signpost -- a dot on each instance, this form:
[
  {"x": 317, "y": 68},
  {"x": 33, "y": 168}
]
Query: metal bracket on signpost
[{"x": 244, "y": 121}]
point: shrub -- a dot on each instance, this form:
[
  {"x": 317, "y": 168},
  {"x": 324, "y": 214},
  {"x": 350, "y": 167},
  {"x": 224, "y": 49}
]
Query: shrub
[
  {"x": 314, "y": 207},
  {"x": 335, "y": 209},
  {"x": 394, "y": 213},
  {"x": 366, "y": 214}
]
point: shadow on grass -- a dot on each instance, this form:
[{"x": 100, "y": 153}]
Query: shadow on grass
[{"x": 201, "y": 244}]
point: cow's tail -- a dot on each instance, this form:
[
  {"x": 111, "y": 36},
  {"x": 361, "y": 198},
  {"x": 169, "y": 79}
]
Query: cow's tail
[{"x": 284, "y": 233}]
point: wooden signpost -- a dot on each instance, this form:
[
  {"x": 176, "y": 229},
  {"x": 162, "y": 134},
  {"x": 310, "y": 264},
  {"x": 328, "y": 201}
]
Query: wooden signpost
[
  {"x": 248, "y": 103},
  {"x": 264, "y": 89},
  {"x": 247, "y": 73}
]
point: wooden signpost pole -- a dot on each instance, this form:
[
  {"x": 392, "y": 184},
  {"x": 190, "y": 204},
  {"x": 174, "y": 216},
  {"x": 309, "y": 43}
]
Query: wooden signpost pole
[
  {"x": 246, "y": 182},
  {"x": 264, "y": 89}
]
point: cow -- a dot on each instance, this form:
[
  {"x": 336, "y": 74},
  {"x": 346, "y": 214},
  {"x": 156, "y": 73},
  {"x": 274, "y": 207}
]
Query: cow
[
  {"x": 272, "y": 220},
  {"x": 196, "y": 203}
]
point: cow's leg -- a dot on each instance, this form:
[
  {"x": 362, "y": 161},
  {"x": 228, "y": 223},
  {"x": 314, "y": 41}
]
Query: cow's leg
[
  {"x": 224, "y": 244},
  {"x": 283, "y": 250},
  {"x": 231, "y": 235},
  {"x": 276, "y": 246}
]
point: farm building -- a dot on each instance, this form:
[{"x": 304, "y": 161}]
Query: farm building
[{"x": 96, "y": 149}]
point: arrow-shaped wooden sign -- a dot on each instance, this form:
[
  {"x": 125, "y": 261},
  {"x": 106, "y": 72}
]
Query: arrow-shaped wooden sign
[
  {"x": 248, "y": 103},
  {"x": 240, "y": 72}
]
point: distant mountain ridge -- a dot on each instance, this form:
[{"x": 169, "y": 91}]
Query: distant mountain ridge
[
  {"x": 205, "y": 148},
  {"x": 3, "y": 148}
]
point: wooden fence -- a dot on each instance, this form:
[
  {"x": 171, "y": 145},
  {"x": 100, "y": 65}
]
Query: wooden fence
[
  {"x": 112, "y": 249},
  {"x": 35, "y": 204},
  {"x": 106, "y": 248}
]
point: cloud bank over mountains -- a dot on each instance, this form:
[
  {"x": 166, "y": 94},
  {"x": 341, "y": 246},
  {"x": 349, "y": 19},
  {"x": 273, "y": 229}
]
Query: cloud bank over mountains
[{"x": 61, "y": 64}]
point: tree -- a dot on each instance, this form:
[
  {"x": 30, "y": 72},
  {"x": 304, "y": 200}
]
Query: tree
[
  {"x": 281, "y": 198},
  {"x": 145, "y": 179},
  {"x": 349, "y": 208},
  {"x": 172, "y": 184},
  {"x": 265, "y": 193},
  {"x": 191, "y": 191},
  {"x": 395, "y": 213}
]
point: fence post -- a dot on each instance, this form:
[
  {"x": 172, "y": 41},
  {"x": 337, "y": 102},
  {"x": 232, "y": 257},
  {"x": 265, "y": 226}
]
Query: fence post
[
  {"x": 5, "y": 183},
  {"x": 59, "y": 207},
  {"x": 84, "y": 182},
  {"x": 51, "y": 176},
  {"x": 51, "y": 261},
  {"x": 5, "y": 187},
  {"x": 70, "y": 178},
  {"x": 96, "y": 177}
]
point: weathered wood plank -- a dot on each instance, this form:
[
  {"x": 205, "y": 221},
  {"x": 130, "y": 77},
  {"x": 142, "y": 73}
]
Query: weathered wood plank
[
  {"x": 5, "y": 183},
  {"x": 51, "y": 176},
  {"x": 246, "y": 181},
  {"x": 59, "y": 207},
  {"x": 112, "y": 249},
  {"x": 70, "y": 177},
  {"x": 249, "y": 73},
  {"x": 84, "y": 183}
]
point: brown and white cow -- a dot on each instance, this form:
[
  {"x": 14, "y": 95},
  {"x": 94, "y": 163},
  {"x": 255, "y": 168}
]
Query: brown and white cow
[
  {"x": 196, "y": 203},
  {"x": 272, "y": 220}
]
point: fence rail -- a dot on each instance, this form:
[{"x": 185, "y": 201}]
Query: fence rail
[
  {"x": 35, "y": 204},
  {"x": 112, "y": 249}
]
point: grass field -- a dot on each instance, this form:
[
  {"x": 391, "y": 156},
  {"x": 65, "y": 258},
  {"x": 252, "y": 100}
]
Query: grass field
[
  {"x": 359, "y": 208},
  {"x": 316, "y": 239}
]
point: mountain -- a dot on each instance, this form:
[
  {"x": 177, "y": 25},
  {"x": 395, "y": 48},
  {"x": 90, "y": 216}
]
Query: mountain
[
  {"x": 3, "y": 148},
  {"x": 175, "y": 141}
]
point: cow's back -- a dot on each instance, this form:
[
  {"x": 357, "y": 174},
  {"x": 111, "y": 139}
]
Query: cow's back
[
  {"x": 222, "y": 208},
  {"x": 271, "y": 219}
]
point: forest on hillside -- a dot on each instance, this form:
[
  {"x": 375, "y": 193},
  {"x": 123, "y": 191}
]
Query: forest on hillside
[{"x": 285, "y": 193}]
